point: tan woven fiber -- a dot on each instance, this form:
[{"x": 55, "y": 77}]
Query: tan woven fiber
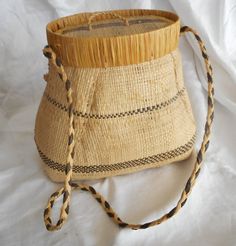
[
  {"x": 121, "y": 119},
  {"x": 150, "y": 104},
  {"x": 109, "y": 47}
]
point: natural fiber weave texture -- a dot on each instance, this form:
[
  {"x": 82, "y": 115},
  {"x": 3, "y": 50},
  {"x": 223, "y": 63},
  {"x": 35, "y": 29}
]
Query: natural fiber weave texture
[
  {"x": 120, "y": 119},
  {"x": 135, "y": 113}
]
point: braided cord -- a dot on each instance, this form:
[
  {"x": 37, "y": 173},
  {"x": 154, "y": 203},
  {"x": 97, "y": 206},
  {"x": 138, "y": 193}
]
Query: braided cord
[
  {"x": 69, "y": 185},
  {"x": 66, "y": 191}
]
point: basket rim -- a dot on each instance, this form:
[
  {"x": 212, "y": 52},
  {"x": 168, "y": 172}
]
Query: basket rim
[
  {"x": 100, "y": 51},
  {"x": 62, "y": 22}
]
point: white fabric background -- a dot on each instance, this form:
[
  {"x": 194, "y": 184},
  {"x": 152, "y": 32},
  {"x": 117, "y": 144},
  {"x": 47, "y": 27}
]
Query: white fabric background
[{"x": 208, "y": 218}]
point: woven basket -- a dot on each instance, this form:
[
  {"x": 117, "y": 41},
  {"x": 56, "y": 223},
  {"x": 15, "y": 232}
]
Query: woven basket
[{"x": 115, "y": 102}]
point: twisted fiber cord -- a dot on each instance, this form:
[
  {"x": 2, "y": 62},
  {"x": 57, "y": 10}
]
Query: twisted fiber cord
[
  {"x": 69, "y": 185},
  {"x": 114, "y": 15},
  {"x": 66, "y": 191}
]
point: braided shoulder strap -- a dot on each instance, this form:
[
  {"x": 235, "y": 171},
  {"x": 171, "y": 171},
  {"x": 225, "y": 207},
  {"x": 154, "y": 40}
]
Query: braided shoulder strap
[{"x": 69, "y": 185}]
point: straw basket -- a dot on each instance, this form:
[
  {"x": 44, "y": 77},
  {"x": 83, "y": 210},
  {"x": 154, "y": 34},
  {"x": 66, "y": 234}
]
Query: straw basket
[{"x": 115, "y": 102}]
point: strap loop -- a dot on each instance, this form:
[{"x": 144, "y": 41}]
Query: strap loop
[
  {"x": 69, "y": 185},
  {"x": 114, "y": 15}
]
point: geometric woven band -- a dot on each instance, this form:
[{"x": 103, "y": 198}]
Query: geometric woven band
[
  {"x": 120, "y": 165},
  {"x": 120, "y": 114}
]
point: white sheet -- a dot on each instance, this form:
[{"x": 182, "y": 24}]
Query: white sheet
[{"x": 209, "y": 217}]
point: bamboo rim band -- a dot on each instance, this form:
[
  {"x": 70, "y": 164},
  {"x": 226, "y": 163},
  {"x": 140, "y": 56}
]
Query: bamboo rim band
[
  {"x": 80, "y": 51},
  {"x": 69, "y": 185}
]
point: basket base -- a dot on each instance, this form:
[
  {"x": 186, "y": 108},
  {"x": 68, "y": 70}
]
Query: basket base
[{"x": 55, "y": 171}]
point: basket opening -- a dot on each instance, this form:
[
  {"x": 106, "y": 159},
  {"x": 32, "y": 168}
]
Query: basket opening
[
  {"x": 116, "y": 27},
  {"x": 113, "y": 38}
]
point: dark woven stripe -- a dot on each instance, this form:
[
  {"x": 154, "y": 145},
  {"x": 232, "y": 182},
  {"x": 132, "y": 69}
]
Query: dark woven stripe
[
  {"x": 116, "y": 115},
  {"x": 121, "y": 165}
]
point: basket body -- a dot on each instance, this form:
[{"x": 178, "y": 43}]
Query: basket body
[{"x": 130, "y": 113}]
